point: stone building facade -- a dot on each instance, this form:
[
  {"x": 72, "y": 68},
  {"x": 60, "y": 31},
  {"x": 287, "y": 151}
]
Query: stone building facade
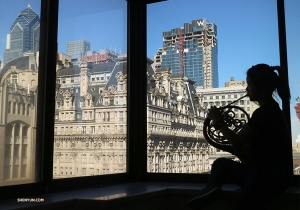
[
  {"x": 90, "y": 120},
  {"x": 90, "y": 127},
  {"x": 18, "y": 100},
  {"x": 175, "y": 120}
]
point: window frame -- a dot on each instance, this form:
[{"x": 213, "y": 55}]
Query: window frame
[{"x": 136, "y": 158}]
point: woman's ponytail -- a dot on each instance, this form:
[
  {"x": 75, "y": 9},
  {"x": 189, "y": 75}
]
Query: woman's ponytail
[{"x": 282, "y": 86}]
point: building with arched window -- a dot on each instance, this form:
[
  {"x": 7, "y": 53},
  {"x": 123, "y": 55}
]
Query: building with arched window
[{"x": 18, "y": 84}]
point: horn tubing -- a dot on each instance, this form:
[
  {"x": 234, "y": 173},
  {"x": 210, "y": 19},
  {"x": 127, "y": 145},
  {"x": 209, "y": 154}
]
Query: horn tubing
[
  {"x": 207, "y": 119},
  {"x": 226, "y": 147}
]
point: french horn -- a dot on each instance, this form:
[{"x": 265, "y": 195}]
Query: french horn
[{"x": 215, "y": 138}]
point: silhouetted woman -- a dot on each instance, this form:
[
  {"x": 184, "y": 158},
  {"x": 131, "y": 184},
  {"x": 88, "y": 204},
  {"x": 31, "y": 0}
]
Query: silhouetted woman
[{"x": 268, "y": 171}]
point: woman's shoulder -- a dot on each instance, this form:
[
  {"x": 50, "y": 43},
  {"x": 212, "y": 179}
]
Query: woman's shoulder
[{"x": 267, "y": 112}]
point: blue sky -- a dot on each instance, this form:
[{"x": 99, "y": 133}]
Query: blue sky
[
  {"x": 247, "y": 35},
  {"x": 247, "y": 31}
]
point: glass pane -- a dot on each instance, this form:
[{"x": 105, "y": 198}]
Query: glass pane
[
  {"x": 90, "y": 113},
  {"x": 200, "y": 58},
  {"x": 19, "y": 53},
  {"x": 293, "y": 51}
]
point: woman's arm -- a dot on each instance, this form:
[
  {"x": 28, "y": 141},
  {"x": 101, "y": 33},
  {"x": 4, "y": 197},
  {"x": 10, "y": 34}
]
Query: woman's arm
[{"x": 244, "y": 136}]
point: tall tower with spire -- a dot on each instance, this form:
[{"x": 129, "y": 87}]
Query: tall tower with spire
[{"x": 24, "y": 35}]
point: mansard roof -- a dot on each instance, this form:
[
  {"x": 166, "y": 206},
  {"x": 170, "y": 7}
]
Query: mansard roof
[
  {"x": 105, "y": 67},
  {"x": 121, "y": 66},
  {"x": 94, "y": 69},
  {"x": 118, "y": 67},
  {"x": 69, "y": 71},
  {"x": 192, "y": 97},
  {"x": 21, "y": 63}
]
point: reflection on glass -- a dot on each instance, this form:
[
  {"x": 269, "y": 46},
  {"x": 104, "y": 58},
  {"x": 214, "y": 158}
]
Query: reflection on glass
[
  {"x": 293, "y": 52},
  {"x": 200, "y": 60},
  {"x": 19, "y": 47},
  {"x": 90, "y": 111}
]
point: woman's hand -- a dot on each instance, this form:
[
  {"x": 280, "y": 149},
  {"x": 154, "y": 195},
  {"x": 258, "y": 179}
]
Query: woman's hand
[{"x": 215, "y": 114}]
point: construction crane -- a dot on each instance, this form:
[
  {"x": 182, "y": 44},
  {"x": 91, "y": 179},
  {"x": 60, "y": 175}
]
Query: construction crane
[{"x": 181, "y": 50}]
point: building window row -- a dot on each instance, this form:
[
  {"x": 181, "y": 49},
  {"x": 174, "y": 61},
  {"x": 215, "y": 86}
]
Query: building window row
[
  {"x": 65, "y": 171},
  {"x": 67, "y": 116},
  {"x": 18, "y": 108},
  {"x": 89, "y": 144},
  {"x": 160, "y": 116},
  {"x": 105, "y": 129},
  {"x": 222, "y": 97},
  {"x": 223, "y": 103}
]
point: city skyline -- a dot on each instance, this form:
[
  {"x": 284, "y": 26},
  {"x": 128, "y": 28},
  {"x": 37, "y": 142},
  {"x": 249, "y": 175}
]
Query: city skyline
[
  {"x": 90, "y": 110},
  {"x": 226, "y": 19}
]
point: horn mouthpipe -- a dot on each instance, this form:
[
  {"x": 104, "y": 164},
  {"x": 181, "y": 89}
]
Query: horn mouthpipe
[{"x": 207, "y": 119}]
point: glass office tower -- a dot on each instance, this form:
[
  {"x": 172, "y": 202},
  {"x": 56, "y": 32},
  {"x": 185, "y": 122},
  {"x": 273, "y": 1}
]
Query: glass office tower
[
  {"x": 24, "y": 35},
  {"x": 77, "y": 49},
  {"x": 200, "y": 52}
]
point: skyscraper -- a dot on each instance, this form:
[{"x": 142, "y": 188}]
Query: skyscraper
[
  {"x": 77, "y": 49},
  {"x": 193, "y": 51},
  {"x": 24, "y": 35}
]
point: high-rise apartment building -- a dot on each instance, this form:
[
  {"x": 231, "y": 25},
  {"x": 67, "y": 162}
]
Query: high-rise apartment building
[
  {"x": 193, "y": 51},
  {"x": 77, "y": 49},
  {"x": 24, "y": 35}
]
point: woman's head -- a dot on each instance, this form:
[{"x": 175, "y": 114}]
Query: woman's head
[{"x": 263, "y": 81}]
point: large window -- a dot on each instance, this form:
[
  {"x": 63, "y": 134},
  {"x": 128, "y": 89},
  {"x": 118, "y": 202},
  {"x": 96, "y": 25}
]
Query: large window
[
  {"x": 91, "y": 45},
  {"x": 200, "y": 49},
  {"x": 87, "y": 129},
  {"x": 19, "y": 55}
]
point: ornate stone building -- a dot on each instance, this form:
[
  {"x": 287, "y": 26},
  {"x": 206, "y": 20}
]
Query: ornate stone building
[
  {"x": 90, "y": 120},
  {"x": 175, "y": 120},
  {"x": 18, "y": 100},
  {"x": 90, "y": 128}
]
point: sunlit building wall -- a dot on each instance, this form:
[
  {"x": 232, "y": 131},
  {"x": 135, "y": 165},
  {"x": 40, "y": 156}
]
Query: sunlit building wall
[
  {"x": 90, "y": 122},
  {"x": 18, "y": 82}
]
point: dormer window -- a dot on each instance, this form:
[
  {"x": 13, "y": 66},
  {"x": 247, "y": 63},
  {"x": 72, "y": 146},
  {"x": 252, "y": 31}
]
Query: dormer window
[{"x": 14, "y": 78}]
